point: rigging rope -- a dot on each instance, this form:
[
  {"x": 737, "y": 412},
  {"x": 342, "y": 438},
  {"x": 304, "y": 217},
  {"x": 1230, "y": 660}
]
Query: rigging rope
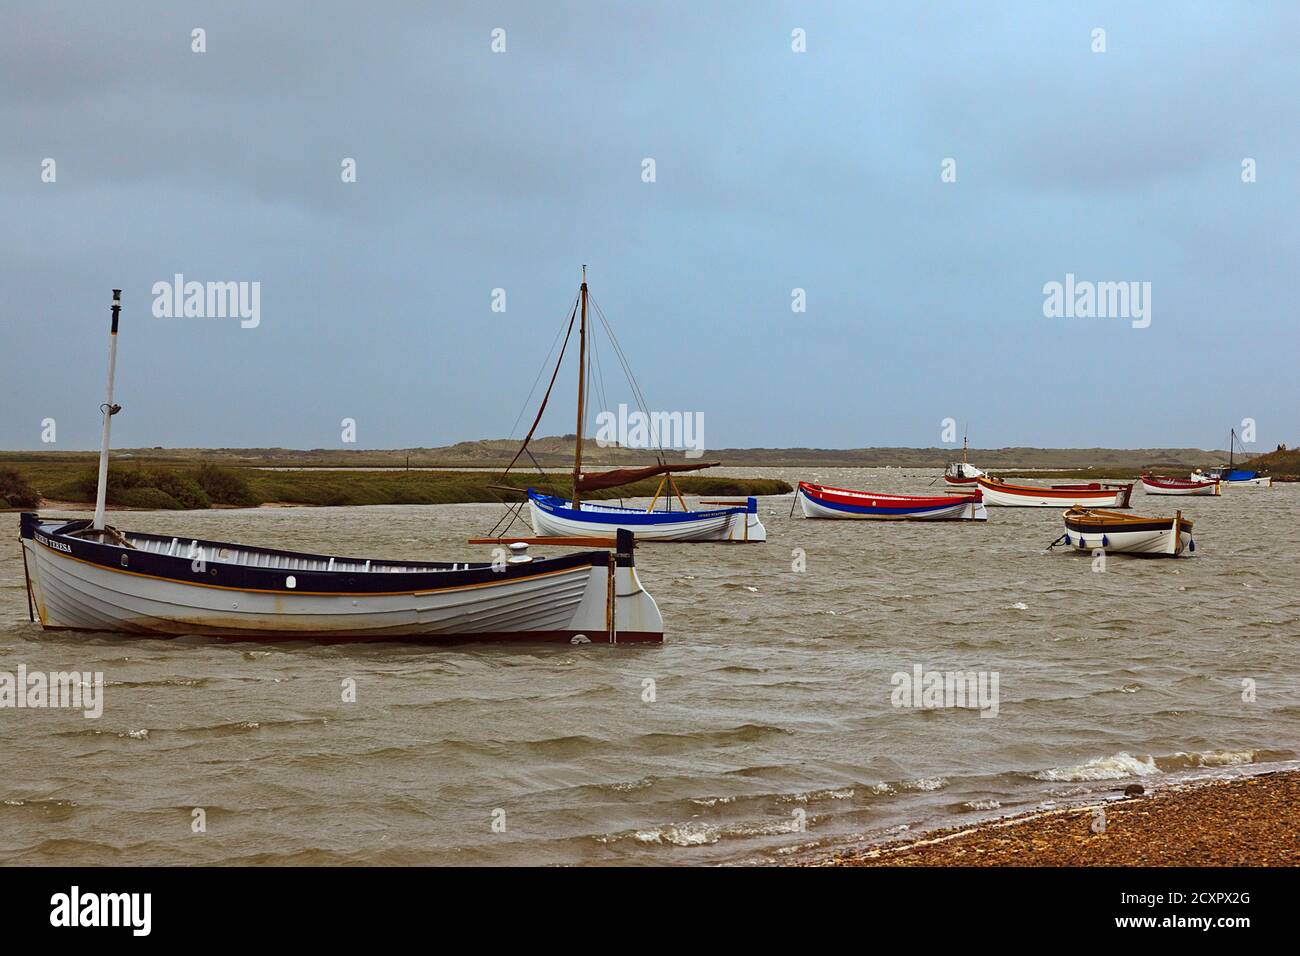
[
  {"x": 547, "y": 396},
  {"x": 638, "y": 395}
]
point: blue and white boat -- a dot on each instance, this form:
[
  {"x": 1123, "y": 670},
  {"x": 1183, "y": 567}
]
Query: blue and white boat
[
  {"x": 1231, "y": 475},
  {"x": 557, "y": 516}
]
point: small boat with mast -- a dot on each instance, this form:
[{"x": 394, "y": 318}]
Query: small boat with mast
[
  {"x": 553, "y": 514},
  {"x": 962, "y": 472},
  {"x": 88, "y": 575}
]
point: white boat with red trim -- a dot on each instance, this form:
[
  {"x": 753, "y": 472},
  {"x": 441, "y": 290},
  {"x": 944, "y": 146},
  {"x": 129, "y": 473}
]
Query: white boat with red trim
[
  {"x": 823, "y": 501},
  {"x": 1093, "y": 494},
  {"x": 1163, "y": 485}
]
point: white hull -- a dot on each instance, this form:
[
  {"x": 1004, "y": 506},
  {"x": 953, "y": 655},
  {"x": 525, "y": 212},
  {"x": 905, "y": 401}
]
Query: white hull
[
  {"x": 1131, "y": 542},
  {"x": 1208, "y": 489},
  {"x": 724, "y": 526},
  {"x": 994, "y": 496},
  {"x": 1265, "y": 481},
  {"x": 566, "y": 604},
  {"x": 972, "y": 510}
]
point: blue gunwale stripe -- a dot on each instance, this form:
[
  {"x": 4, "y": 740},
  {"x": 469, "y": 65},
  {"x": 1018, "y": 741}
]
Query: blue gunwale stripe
[{"x": 625, "y": 516}]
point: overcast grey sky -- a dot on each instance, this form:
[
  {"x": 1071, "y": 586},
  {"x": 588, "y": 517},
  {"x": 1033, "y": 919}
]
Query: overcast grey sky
[{"x": 775, "y": 170}]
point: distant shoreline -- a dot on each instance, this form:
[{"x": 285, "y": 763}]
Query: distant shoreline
[{"x": 1245, "y": 821}]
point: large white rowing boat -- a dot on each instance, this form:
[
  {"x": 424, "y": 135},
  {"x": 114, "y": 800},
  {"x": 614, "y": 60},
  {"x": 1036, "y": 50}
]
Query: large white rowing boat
[{"x": 88, "y": 575}]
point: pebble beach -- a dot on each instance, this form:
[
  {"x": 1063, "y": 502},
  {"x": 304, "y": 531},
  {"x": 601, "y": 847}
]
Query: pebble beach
[{"x": 1253, "y": 821}]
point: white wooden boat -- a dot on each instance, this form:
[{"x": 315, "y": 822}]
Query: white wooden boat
[
  {"x": 110, "y": 580},
  {"x": 822, "y": 501},
  {"x": 1088, "y": 529},
  {"x": 1094, "y": 494},
  {"x": 557, "y": 516},
  {"x": 87, "y": 575},
  {"x": 1161, "y": 485}
]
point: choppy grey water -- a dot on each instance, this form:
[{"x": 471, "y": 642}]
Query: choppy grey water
[{"x": 771, "y": 733}]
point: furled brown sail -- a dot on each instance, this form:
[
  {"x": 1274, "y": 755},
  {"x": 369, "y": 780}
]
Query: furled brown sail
[{"x": 596, "y": 480}]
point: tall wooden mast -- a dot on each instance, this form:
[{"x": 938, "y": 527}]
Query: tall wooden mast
[{"x": 582, "y": 383}]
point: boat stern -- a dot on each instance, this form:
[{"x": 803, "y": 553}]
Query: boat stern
[
  {"x": 745, "y": 525},
  {"x": 636, "y": 614}
]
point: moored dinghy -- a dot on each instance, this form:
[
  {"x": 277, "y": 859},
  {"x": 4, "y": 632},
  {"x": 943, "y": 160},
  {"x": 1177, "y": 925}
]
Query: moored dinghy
[
  {"x": 87, "y": 575},
  {"x": 1095, "y": 494},
  {"x": 822, "y": 501},
  {"x": 1088, "y": 529},
  {"x": 1161, "y": 485},
  {"x": 557, "y": 516}
]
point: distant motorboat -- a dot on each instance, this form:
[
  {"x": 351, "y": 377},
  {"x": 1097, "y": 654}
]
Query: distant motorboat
[
  {"x": 1231, "y": 475},
  {"x": 1162, "y": 485},
  {"x": 1088, "y": 529},
  {"x": 1095, "y": 494},
  {"x": 962, "y": 472},
  {"x": 1234, "y": 476},
  {"x": 822, "y": 501}
]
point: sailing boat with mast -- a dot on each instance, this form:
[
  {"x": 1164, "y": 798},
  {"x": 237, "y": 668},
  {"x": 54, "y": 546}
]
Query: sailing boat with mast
[
  {"x": 962, "y": 472},
  {"x": 1230, "y": 475},
  {"x": 555, "y": 515}
]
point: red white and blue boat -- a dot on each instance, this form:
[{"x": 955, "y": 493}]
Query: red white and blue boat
[
  {"x": 822, "y": 501},
  {"x": 1163, "y": 485}
]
